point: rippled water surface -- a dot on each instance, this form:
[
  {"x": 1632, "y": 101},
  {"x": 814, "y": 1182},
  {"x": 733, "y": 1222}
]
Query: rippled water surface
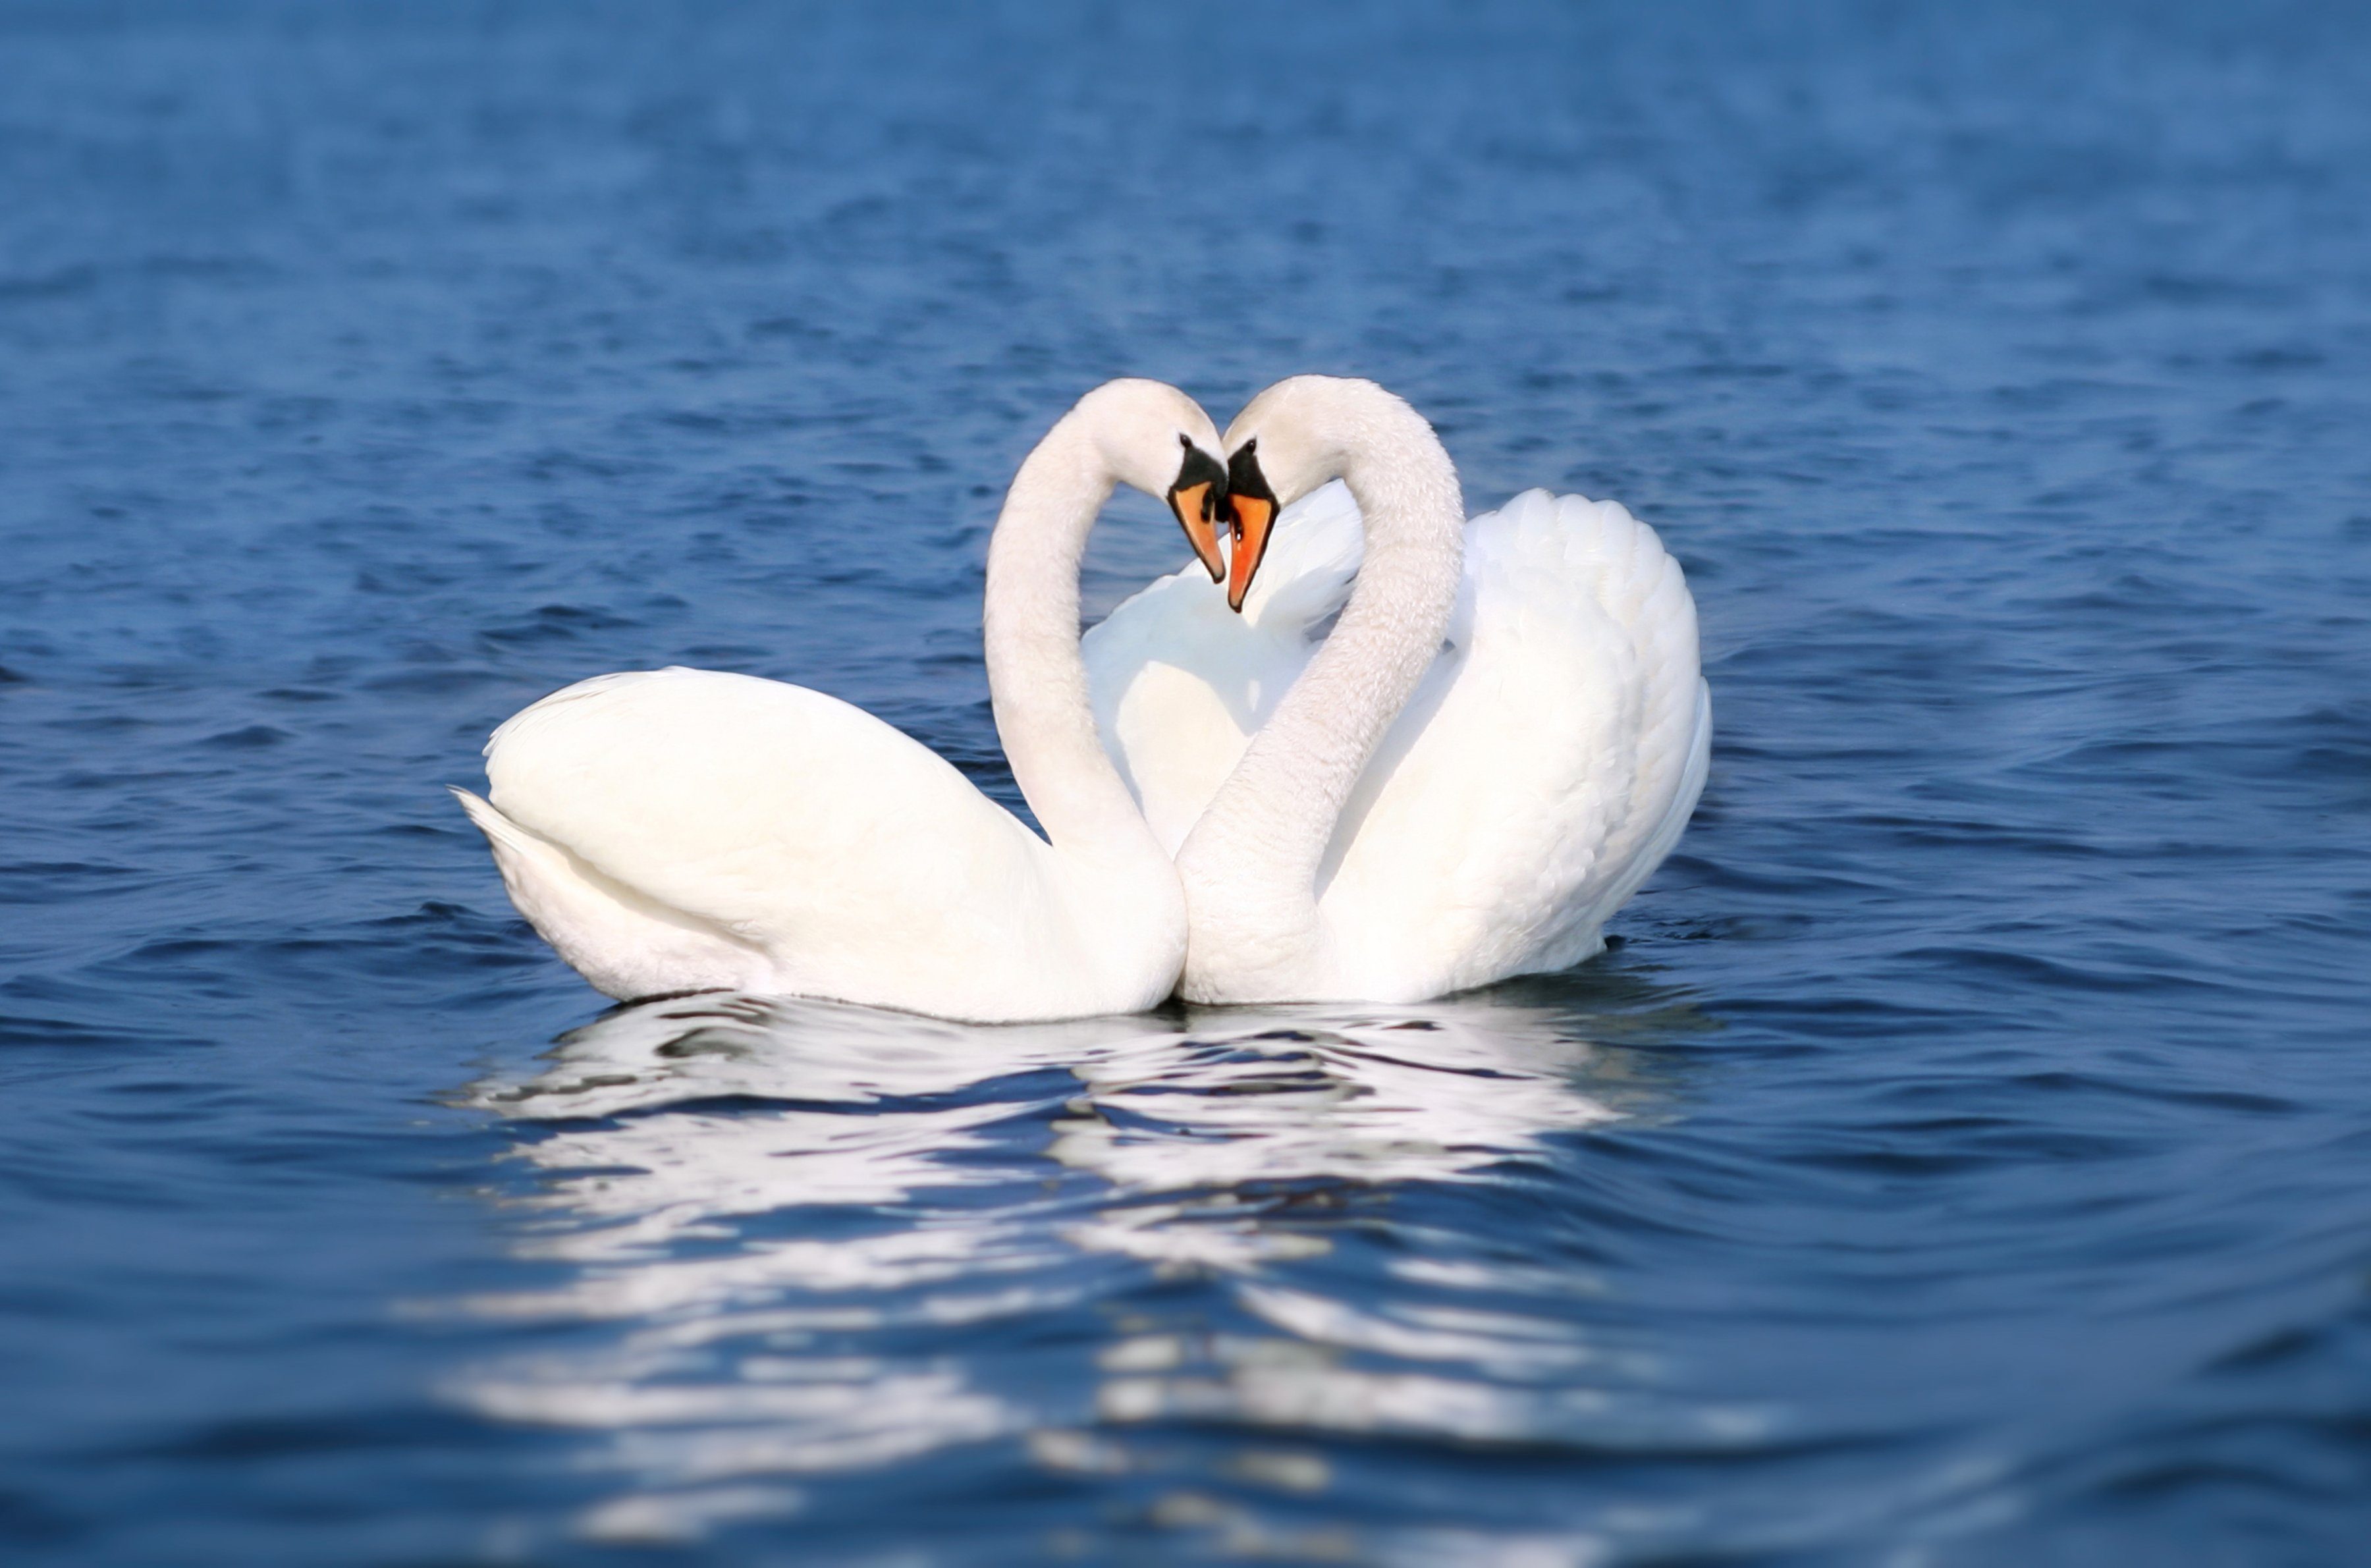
[{"x": 1965, "y": 1158}]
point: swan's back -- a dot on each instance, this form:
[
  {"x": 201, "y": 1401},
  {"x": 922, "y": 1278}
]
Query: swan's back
[
  {"x": 1542, "y": 771},
  {"x": 798, "y": 843}
]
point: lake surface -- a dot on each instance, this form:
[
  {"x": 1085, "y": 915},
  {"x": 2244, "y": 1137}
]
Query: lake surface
[{"x": 1965, "y": 1158}]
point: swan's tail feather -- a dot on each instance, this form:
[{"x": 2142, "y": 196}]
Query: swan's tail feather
[
  {"x": 621, "y": 941},
  {"x": 518, "y": 854},
  {"x": 481, "y": 813},
  {"x": 545, "y": 881},
  {"x": 499, "y": 829}
]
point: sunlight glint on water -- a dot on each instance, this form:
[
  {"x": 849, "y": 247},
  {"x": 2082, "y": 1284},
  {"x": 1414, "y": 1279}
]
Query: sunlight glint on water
[{"x": 673, "y": 1124}]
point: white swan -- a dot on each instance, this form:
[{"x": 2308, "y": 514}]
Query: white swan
[
  {"x": 1382, "y": 817},
  {"x": 675, "y": 830}
]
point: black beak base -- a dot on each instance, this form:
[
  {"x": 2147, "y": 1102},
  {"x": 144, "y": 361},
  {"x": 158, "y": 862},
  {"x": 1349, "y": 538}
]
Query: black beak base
[{"x": 1244, "y": 478}]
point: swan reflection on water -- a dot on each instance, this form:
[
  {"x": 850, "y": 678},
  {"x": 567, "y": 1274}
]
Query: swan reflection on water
[{"x": 818, "y": 1231}]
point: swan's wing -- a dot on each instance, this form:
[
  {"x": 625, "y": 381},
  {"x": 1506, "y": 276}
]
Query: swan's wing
[
  {"x": 1546, "y": 765},
  {"x": 1180, "y": 683},
  {"x": 776, "y": 818}
]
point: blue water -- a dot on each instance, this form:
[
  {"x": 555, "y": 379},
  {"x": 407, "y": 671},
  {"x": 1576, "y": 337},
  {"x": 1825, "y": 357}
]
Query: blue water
[{"x": 1965, "y": 1159}]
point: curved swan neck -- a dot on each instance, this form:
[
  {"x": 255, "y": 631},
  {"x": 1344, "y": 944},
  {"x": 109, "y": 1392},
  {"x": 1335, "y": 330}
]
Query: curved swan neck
[
  {"x": 1036, "y": 679},
  {"x": 1253, "y": 860}
]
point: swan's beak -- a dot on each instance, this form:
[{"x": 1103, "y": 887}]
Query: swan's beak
[
  {"x": 1200, "y": 490},
  {"x": 1252, "y": 506}
]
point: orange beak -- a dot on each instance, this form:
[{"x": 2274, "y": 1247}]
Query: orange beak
[
  {"x": 1254, "y": 517},
  {"x": 1197, "y": 506},
  {"x": 1196, "y": 495}
]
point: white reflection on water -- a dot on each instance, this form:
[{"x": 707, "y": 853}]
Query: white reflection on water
[{"x": 785, "y": 1206}]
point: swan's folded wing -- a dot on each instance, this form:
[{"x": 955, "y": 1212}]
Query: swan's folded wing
[
  {"x": 1535, "y": 773},
  {"x": 781, "y": 816},
  {"x": 1180, "y": 683},
  {"x": 1642, "y": 590}
]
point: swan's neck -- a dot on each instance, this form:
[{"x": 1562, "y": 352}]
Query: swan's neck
[
  {"x": 1250, "y": 866},
  {"x": 1036, "y": 679}
]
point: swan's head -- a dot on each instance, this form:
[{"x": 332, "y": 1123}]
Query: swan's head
[
  {"x": 1299, "y": 434},
  {"x": 1158, "y": 440}
]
